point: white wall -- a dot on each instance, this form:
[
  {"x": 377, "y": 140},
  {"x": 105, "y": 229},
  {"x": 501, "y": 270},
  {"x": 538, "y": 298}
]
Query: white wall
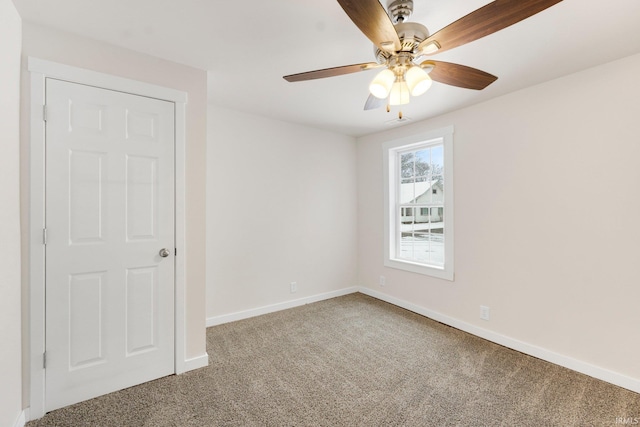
[
  {"x": 66, "y": 48},
  {"x": 10, "y": 349},
  {"x": 281, "y": 207},
  {"x": 558, "y": 267}
]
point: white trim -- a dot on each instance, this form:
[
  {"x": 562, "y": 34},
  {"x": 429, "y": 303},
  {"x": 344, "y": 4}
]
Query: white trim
[
  {"x": 532, "y": 350},
  {"x": 390, "y": 148},
  {"x": 106, "y": 81},
  {"x": 180, "y": 242},
  {"x": 245, "y": 314},
  {"x": 40, "y": 70},
  {"x": 21, "y": 420},
  {"x": 196, "y": 362},
  {"x": 36, "y": 248}
]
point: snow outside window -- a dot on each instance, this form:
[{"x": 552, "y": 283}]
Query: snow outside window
[{"x": 419, "y": 203}]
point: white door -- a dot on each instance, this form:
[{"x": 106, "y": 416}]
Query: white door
[{"x": 109, "y": 214}]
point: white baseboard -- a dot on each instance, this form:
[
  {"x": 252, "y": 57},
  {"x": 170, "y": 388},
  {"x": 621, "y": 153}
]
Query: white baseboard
[
  {"x": 22, "y": 419},
  {"x": 523, "y": 347},
  {"x": 195, "y": 363},
  {"x": 232, "y": 317}
]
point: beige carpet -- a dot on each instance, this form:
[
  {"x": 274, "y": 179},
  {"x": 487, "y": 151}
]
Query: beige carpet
[{"x": 357, "y": 361}]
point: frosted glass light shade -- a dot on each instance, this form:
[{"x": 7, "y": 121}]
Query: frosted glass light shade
[
  {"x": 399, "y": 94},
  {"x": 381, "y": 85},
  {"x": 418, "y": 81}
]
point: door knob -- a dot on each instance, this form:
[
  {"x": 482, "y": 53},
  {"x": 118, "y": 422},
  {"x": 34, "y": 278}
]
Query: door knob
[{"x": 164, "y": 252}]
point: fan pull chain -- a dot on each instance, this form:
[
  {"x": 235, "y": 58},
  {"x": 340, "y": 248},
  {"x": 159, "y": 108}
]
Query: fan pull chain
[{"x": 399, "y": 112}]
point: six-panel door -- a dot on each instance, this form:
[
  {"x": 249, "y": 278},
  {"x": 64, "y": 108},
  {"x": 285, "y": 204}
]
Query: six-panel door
[{"x": 109, "y": 213}]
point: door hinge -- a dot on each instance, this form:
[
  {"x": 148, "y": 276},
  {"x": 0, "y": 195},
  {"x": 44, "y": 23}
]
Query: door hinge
[
  {"x": 44, "y": 360},
  {"x": 176, "y": 251},
  {"x": 44, "y": 236},
  {"x": 44, "y": 113}
]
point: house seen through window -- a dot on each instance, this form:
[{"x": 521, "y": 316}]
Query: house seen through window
[{"x": 422, "y": 205}]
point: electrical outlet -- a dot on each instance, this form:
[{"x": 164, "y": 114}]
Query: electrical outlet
[
  {"x": 484, "y": 312},
  {"x": 293, "y": 287},
  {"x": 383, "y": 281}
]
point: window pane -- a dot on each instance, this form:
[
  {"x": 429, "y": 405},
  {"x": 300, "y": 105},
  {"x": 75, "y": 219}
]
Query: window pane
[
  {"x": 436, "y": 244},
  {"x": 422, "y": 193},
  {"x": 437, "y": 220},
  {"x": 422, "y": 222},
  {"x": 406, "y": 245},
  {"x": 421, "y": 249},
  {"x": 437, "y": 160},
  {"x": 423, "y": 163},
  {"x": 407, "y": 191},
  {"x": 437, "y": 189},
  {"x": 406, "y": 165},
  {"x": 407, "y": 217}
]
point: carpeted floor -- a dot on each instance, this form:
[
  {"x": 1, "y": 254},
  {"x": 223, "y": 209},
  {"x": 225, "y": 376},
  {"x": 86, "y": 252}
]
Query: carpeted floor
[{"x": 357, "y": 361}]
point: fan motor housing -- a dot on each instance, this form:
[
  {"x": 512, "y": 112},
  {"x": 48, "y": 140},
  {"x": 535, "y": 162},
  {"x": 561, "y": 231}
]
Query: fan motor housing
[{"x": 411, "y": 34}]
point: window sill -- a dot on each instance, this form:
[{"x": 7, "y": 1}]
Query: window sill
[{"x": 440, "y": 273}]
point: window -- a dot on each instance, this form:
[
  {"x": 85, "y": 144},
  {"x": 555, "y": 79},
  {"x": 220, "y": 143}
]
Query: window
[{"x": 419, "y": 203}]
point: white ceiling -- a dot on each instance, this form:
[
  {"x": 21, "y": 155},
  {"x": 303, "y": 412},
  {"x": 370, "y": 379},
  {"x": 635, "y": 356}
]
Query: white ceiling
[{"x": 247, "y": 46}]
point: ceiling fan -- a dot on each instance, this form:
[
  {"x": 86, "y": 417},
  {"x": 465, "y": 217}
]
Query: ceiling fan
[{"x": 402, "y": 47}]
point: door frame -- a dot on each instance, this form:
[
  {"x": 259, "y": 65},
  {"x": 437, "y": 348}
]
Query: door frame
[{"x": 39, "y": 71}]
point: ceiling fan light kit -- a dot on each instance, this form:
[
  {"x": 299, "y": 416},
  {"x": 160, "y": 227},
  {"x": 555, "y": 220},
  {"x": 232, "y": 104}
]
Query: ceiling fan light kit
[
  {"x": 386, "y": 82},
  {"x": 400, "y": 47}
]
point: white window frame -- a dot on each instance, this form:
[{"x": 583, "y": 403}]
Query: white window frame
[{"x": 391, "y": 190}]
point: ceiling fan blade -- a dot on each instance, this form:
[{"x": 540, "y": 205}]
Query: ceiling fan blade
[
  {"x": 374, "y": 102},
  {"x": 373, "y": 21},
  {"x": 459, "y": 75},
  {"x": 331, "y": 72},
  {"x": 487, "y": 20}
]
